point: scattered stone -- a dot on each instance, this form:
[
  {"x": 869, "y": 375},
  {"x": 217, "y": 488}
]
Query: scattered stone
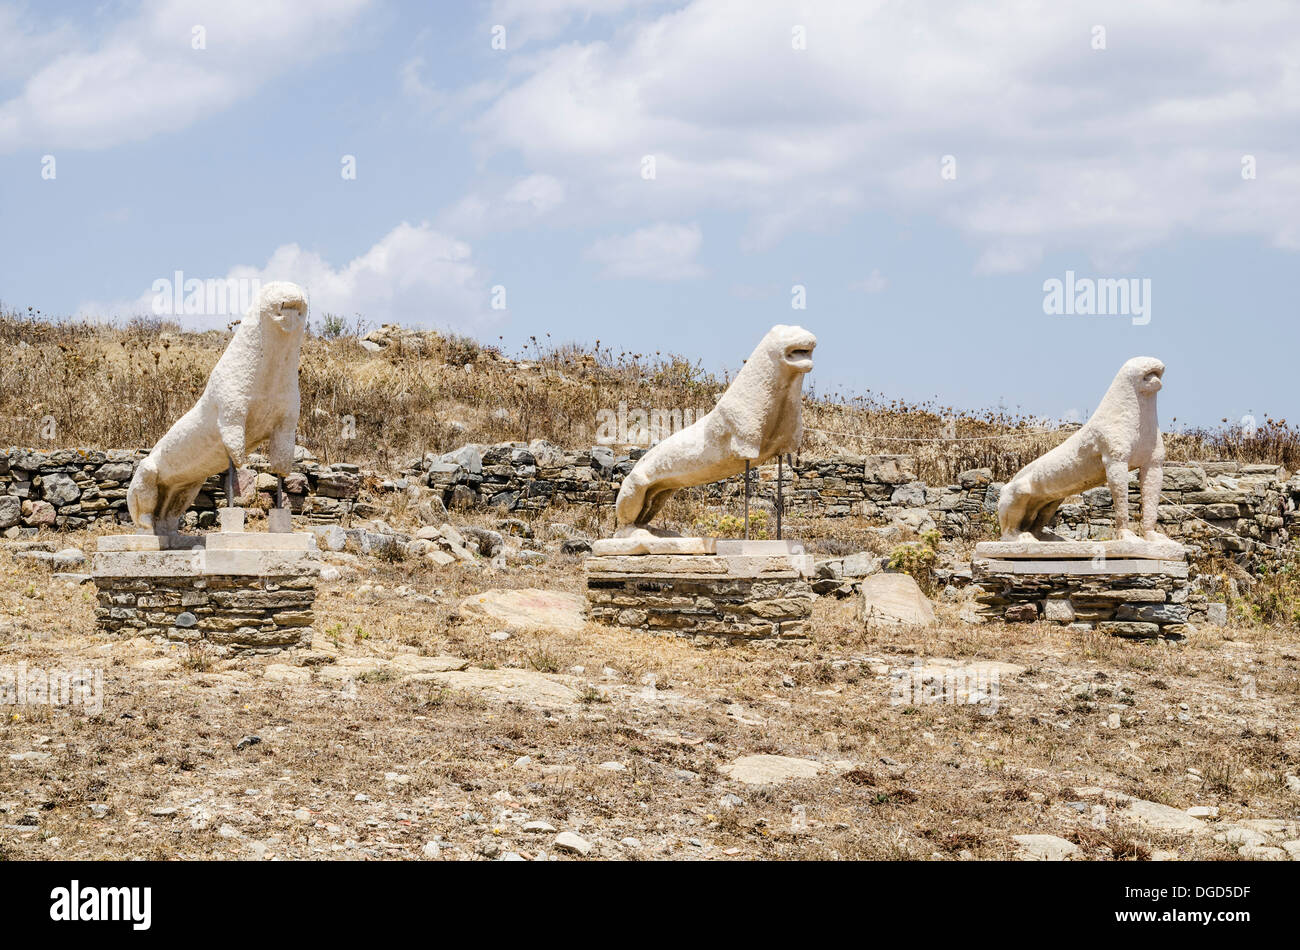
[
  {"x": 283, "y": 673},
  {"x": 895, "y": 600},
  {"x": 68, "y": 559},
  {"x": 33, "y": 757},
  {"x": 1263, "y": 853},
  {"x": 1045, "y": 848},
  {"x": 568, "y": 841},
  {"x": 1159, "y": 817}
]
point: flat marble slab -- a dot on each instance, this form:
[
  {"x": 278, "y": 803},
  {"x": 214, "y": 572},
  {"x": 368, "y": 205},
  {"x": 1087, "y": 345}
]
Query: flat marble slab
[
  {"x": 198, "y": 562},
  {"x": 759, "y": 548},
  {"x": 1080, "y": 550},
  {"x": 714, "y": 566},
  {"x": 259, "y": 541},
  {"x": 130, "y": 542},
  {"x": 1098, "y": 567},
  {"x": 218, "y": 541},
  {"x": 649, "y": 544}
]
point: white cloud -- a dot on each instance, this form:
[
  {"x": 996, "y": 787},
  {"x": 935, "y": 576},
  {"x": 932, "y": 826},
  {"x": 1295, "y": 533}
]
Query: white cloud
[
  {"x": 528, "y": 21},
  {"x": 444, "y": 104},
  {"x": 415, "y": 88},
  {"x": 873, "y": 283},
  {"x": 1058, "y": 146},
  {"x": 144, "y": 76},
  {"x": 659, "y": 252},
  {"x": 414, "y": 275},
  {"x": 24, "y": 47},
  {"x": 757, "y": 291},
  {"x": 524, "y": 202}
]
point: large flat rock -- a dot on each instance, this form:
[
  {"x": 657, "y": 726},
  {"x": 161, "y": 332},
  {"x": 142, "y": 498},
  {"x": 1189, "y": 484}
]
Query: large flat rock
[
  {"x": 1161, "y": 818},
  {"x": 528, "y": 608},
  {"x": 769, "y": 769},
  {"x": 895, "y": 600},
  {"x": 1044, "y": 848},
  {"x": 521, "y": 686}
]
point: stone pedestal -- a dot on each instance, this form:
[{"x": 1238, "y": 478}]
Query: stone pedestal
[
  {"x": 239, "y": 591},
  {"x": 1127, "y": 588},
  {"x": 754, "y": 591}
]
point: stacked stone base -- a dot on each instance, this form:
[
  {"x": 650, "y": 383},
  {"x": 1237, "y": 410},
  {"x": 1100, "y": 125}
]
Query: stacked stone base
[
  {"x": 710, "y": 599},
  {"x": 236, "y": 613},
  {"x": 236, "y": 591},
  {"x": 1126, "y": 597}
]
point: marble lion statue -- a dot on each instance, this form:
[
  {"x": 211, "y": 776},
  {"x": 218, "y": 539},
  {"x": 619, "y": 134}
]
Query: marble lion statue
[
  {"x": 759, "y": 417},
  {"x": 251, "y": 398},
  {"x": 1122, "y": 434}
]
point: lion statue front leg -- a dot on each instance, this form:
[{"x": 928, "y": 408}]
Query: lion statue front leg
[{"x": 1150, "y": 482}]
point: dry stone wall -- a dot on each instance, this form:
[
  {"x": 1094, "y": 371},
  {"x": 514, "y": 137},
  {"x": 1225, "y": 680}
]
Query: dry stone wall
[
  {"x": 1229, "y": 505},
  {"x": 1233, "y": 506},
  {"x": 69, "y": 489}
]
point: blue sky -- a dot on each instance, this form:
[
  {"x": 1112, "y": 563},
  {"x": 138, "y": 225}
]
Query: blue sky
[{"x": 794, "y": 144}]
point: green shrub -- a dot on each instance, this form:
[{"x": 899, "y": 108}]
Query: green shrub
[
  {"x": 918, "y": 559},
  {"x": 719, "y": 525}
]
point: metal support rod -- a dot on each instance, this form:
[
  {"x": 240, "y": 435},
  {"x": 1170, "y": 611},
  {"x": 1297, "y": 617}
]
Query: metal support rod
[
  {"x": 230, "y": 484},
  {"x": 279, "y": 491},
  {"x": 746, "y": 499},
  {"x": 780, "y": 496}
]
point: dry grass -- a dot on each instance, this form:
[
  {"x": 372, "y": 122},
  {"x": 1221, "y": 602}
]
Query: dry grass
[
  {"x": 114, "y": 387},
  {"x": 379, "y": 772}
]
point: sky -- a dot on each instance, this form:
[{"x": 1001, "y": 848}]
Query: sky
[{"x": 908, "y": 179}]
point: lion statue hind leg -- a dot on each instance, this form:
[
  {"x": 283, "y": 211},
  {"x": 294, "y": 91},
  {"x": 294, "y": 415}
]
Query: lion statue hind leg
[{"x": 1041, "y": 517}]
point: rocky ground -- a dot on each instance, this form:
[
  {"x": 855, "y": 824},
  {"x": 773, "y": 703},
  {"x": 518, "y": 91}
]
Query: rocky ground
[{"x": 456, "y": 708}]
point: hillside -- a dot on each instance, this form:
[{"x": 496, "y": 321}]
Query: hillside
[{"x": 383, "y": 396}]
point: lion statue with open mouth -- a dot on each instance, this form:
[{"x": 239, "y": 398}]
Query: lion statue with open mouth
[
  {"x": 1123, "y": 434},
  {"x": 759, "y": 417}
]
